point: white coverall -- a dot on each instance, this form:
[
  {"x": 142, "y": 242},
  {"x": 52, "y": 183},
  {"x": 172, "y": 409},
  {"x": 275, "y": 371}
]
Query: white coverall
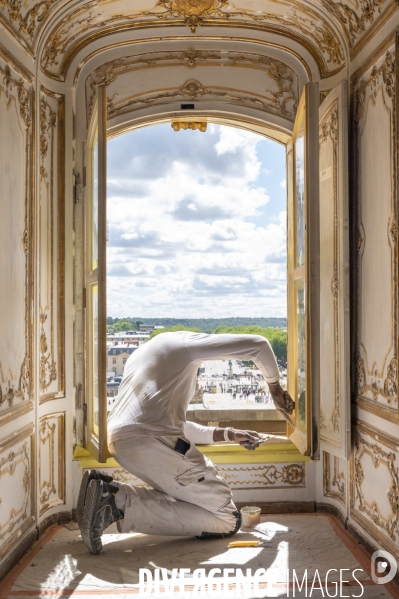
[{"x": 188, "y": 496}]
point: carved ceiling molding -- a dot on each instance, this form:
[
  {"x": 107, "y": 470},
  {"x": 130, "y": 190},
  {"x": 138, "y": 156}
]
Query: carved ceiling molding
[
  {"x": 356, "y": 18},
  {"x": 194, "y": 11},
  {"x": 274, "y": 103},
  {"x": 16, "y": 87},
  {"x": 90, "y": 22},
  {"x": 22, "y": 22},
  {"x": 284, "y": 77}
]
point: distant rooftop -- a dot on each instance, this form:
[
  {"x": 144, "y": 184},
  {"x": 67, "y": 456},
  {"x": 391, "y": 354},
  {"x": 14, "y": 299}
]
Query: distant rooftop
[{"x": 116, "y": 350}]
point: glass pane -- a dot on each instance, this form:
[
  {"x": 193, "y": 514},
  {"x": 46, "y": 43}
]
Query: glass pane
[
  {"x": 95, "y": 387},
  {"x": 301, "y": 365},
  {"x": 300, "y": 197},
  {"x": 95, "y": 202}
]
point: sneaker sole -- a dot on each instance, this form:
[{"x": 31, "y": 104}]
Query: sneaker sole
[
  {"x": 93, "y": 498},
  {"x": 82, "y": 497},
  {"x": 86, "y": 478}
]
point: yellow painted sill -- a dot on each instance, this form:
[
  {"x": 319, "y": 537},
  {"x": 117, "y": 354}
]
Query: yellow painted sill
[{"x": 220, "y": 453}]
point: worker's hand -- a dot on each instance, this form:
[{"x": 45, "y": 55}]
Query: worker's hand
[
  {"x": 282, "y": 400},
  {"x": 248, "y": 439}
]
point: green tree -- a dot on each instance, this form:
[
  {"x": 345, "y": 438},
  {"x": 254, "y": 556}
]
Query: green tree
[
  {"x": 176, "y": 327},
  {"x": 122, "y": 325}
]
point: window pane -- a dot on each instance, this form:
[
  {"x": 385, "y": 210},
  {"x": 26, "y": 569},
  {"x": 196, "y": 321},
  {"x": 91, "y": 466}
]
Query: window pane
[
  {"x": 300, "y": 197},
  {"x": 95, "y": 389},
  {"x": 301, "y": 364},
  {"x": 95, "y": 203}
]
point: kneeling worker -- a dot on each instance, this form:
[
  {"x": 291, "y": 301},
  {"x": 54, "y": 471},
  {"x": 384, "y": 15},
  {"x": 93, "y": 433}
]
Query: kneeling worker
[{"x": 149, "y": 436}]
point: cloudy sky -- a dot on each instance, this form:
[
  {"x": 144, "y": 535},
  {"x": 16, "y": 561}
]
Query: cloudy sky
[{"x": 196, "y": 224}]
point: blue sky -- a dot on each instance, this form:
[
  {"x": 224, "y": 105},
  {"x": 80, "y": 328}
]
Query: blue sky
[{"x": 196, "y": 224}]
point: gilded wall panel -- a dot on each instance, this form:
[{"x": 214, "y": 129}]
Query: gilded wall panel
[
  {"x": 16, "y": 239},
  {"x": 334, "y": 273},
  {"x": 240, "y": 477},
  {"x": 51, "y": 247},
  {"x": 329, "y": 275},
  {"x": 17, "y": 509},
  {"x": 375, "y": 485},
  {"x": 51, "y": 485},
  {"x": 334, "y": 477},
  {"x": 377, "y": 240}
]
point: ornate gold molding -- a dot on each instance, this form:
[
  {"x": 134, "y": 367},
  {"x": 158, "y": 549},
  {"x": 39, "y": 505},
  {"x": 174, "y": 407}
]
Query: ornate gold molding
[
  {"x": 51, "y": 224},
  {"x": 17, "y": 87},
  {"x": 193, "y": 12},
  {"x": 329, "y": 132},
  {"x": 27, "y": 23},
  {"x": 20, "y": 455},
  {"x": 195, "y": 126},
  {"x": 334, "y": 486},
  {"x": 299, "y": 22},
  {"x": 47, "y": 363},
  {"x": 283, "y": 76},
  {"x": 386, "y": 74},
  {"x": 389, "y": 390},
  {"x": 52, "y": 441},
  {"x": 370, "y": 510},
  {"x": 273, "y": 476},
  {"x": 379, "y": 381},
  {"x": 354, "y": 21},
  {"x": 275, "y": 103}
]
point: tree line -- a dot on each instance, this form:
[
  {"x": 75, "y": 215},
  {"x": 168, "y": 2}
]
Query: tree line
[
  {"x": 205, "y": 325},
  {"x": 276, "y": 336}
]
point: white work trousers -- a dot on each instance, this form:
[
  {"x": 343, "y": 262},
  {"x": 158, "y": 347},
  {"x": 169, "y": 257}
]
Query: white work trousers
[{"x": 188, "y": 496}]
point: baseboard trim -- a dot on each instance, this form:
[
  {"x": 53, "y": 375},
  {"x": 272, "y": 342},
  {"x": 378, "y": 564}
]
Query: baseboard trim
[
  {"x": 283, "y": 507},
  {"x": 332, "y": 510},
  {"x": 29, "y": 541}
]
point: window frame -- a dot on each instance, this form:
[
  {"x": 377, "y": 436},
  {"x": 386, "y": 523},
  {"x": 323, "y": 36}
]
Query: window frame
[{"x": 308, "y": 446}]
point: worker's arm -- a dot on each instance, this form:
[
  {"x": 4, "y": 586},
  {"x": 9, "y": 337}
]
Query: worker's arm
[
  {"x": 205, "y": 435},
  {"x": 247, "y": 439},
  {"x": 199, "y": 434}
]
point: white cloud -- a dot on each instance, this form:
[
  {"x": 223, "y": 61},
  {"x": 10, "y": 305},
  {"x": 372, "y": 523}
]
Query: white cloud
[
  {"x": 182, "y": 245},
  {"x": 283, "y": 183}
]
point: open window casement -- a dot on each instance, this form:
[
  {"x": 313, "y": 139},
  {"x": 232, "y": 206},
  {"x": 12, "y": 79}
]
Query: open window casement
[
  {"x": 318, "y": 274},
  {"x": 96, "y": 319},
  {"x": 334, "y": 274},
  {"x": 303, "y": 274}
]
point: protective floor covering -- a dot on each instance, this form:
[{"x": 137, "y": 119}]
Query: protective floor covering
[{"x": 61, "y": 566}]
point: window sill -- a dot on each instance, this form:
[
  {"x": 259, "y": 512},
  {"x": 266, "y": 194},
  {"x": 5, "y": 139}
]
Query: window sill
[{"x": 278, "y": 451}]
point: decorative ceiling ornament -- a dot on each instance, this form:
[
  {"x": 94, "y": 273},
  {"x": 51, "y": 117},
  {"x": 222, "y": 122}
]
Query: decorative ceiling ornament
[
  {"x": 273, "y": 102},
  {"x": 291, "y": 18},
  {"x": 354, "y": 21},
  {"x": 194, "y": 11},
  {"x": 195, "y": 126},
  {"x": 281, "y": 75}
]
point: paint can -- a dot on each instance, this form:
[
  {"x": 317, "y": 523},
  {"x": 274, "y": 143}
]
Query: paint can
[{"x": 250, "y": 516}]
